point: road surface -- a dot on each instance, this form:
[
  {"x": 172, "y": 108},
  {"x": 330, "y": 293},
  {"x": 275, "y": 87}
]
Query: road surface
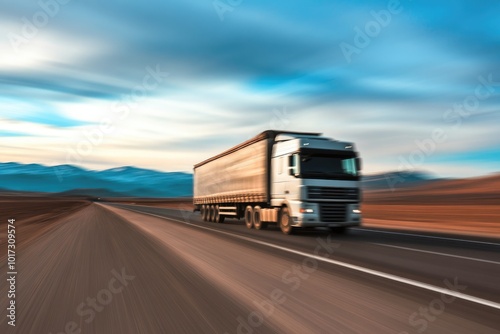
[{"x": 131, "y": 269}]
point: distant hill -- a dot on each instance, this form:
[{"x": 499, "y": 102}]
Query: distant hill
[
  {"x": 129, "y": 181},
  {"x": 125, "y": 181}
]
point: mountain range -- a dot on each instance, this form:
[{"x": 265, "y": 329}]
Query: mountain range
[
  {"x": 131, "y": 181},
  {"x": 116, "y": 182}
]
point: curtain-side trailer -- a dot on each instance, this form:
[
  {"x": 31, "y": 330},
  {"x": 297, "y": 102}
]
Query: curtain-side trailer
[{"x": 294, "y": 179}]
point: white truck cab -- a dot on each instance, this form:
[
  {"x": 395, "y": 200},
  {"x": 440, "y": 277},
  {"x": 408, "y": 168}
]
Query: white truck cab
[{"x": 318, "y": 180}]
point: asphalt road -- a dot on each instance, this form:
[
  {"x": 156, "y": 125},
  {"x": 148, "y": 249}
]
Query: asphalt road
[{"x": 107, "y": 269}]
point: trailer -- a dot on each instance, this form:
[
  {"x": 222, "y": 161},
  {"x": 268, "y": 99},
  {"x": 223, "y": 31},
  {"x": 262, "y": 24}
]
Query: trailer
[{"x": 294, "y": 179}]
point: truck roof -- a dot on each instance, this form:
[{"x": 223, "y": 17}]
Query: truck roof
[{"x": 268, "y": 134}]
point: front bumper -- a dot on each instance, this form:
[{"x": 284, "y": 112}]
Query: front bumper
[{"x": 326, "y": 214}]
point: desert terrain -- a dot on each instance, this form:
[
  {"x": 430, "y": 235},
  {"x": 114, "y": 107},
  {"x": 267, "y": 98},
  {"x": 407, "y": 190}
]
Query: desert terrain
[
  {"x": 466, "y": 207},
  {"x": 35, "y": 215},
  {"x": 175, "y": 267},
  {"x": 102, "y": 267}
]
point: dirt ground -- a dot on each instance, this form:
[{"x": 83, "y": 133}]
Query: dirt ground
[
  {"x": 466, "y": 206},
  {"x": 481, "y": 220},
  {"x": 33, "y": 215}
]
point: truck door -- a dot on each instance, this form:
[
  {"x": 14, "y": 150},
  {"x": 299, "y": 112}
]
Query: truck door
[
  {"x": 293, "y": 171},
  {"x": 278, "y": 177}
]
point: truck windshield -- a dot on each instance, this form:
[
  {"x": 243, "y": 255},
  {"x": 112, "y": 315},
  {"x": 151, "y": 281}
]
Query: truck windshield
[{"x": 328, "y": 166}]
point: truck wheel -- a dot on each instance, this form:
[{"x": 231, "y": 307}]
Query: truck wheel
[
  {"x": 285, "y": 221},
  {"x": 218, "y": 218},
  {"x": 257, "y": 221},
  {"x": 204, "y": 212},
  {"x": 249, "y": 216},
  {"x": 216, "y": 214},
  {"x": 211, "y": 217}
]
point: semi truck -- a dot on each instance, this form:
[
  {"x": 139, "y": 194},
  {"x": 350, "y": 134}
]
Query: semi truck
[{"x": 293, "y": 179}]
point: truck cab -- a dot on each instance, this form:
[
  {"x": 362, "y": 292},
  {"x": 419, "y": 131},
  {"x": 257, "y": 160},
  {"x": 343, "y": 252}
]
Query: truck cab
[{"x": 317, "y": 179}]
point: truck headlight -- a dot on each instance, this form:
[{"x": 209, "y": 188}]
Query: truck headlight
[
  {"x": 356, "y": 211},
  {"x": 306, "y": 210}
]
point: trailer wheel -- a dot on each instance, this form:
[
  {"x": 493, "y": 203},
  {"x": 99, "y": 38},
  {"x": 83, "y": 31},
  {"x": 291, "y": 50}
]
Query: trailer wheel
[
  {"x": 218, "y": 217},
  {"x": 249, "y": 216},
  {"x": 257, "y": 219},
  {"x": 216, "y": 213},
  {"x": 211, "y": 216},
  {"x": 285, "y": 221},
  {"x": 204, "y": 212}
]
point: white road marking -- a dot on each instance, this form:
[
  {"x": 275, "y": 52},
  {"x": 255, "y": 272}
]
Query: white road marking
[
  {"x": 438, "y": 253},
  {"x": 427, "y": 236},
  {"x": 377, "y": 273}
]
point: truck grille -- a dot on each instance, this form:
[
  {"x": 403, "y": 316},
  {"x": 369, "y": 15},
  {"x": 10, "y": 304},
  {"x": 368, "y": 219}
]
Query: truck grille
[
  {"x": 333, "y": 212},
  {"x": 333, "y": 193}
]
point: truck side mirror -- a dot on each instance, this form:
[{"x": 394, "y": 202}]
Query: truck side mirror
[{"x": 358, "y": 164}]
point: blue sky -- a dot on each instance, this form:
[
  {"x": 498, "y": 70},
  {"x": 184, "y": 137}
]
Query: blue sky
[{"x": 165, "y": 85}]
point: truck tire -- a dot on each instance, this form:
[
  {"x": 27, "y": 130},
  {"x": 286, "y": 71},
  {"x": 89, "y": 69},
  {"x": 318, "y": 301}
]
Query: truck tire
[
  {"x": 204, "y": 212},
  {"x": 249, "y": 216},
  {"x": 219, "y": 219},
  {"x": 216, "y": 213},
  {"x": 285, "y": 221},
  {"x": 257, "y": 221},
  {"x": 211, "y": 216}
]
